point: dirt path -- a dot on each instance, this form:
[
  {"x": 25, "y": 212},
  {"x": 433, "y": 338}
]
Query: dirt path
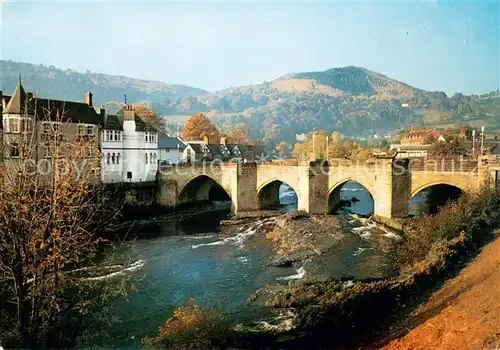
[{"x": 464, "y": 313}]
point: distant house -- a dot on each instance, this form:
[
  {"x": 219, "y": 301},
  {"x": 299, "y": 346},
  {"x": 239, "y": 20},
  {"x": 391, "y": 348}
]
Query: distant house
[
  {"x": 170, "y": 150},
  {"x": 236, "y": 151},
  {"x": 410, "y": 151},
  {"x": 193, "y": 152},
  {"x": 422, "y": 136},
  {"x": 300, "y": 137},
  {"x": 213, "y": 152}
]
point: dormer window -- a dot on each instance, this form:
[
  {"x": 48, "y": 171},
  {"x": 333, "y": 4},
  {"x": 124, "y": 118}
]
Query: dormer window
[{"x": 86, "y": 130}]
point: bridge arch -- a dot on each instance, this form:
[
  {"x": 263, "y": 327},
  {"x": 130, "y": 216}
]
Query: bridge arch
[
  {"x": 425, "y": 186},
  {"x": 334, "y": 194},
  {"x": 202, "y": 188},
  {"x": 430, "y": 197},
  {"x": 268, "y": 194}
]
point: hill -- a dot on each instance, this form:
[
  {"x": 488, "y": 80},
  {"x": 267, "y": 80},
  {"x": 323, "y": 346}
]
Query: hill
[
  {"x": 352, "y": 100},
  {"x": 51, "y": 82}
]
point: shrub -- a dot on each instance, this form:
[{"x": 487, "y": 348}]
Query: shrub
[
  {"x": 473, "y": 215},
  {"x": 193, "y": 327}
]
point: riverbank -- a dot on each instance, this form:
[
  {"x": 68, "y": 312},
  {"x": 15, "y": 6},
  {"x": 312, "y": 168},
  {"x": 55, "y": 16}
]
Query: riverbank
[{"x": 463, "y": 312}]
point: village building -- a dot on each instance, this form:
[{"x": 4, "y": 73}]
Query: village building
[
  {"x": 422, "y": 136},
  {"x": 170, "y": 150},
  {"x": 52, "y": 120},
  {"x": 129, "y": 148},
  {"x": 193, "y": 152}
]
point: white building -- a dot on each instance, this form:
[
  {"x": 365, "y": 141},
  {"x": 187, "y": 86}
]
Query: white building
[
  {"x": 170, "y": 150},
  {"x": 193, "y": 151},
  {"x": 129, "y": 148}
]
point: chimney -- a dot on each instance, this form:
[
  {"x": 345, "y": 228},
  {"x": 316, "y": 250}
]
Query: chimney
[
  {"x": 88, "y": 98},
  {"x": 205, "y": 140},
  {"x": 223, "y": 141},
  {"x": 102, "y": 111},
  {"x": 30, "y": 96},
  {"x": 128, "y": 114}
]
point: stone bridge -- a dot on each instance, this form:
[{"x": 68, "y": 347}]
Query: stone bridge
[{"x": 253, "y": 186}]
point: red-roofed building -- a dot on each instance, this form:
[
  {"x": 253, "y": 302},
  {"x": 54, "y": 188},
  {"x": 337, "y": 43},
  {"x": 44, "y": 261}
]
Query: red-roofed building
[{"x": 422, "y": 136}]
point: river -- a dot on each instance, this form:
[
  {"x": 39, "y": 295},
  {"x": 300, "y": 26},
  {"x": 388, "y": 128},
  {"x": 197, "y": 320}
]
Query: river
[{"x": 185, "y": 256}]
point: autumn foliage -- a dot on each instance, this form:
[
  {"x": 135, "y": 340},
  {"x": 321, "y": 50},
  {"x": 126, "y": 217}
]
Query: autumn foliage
[
  {"x": 193, "y": 327},
  {"x": 148, "y": 115},
  {"x": 197, "y": 127},
  {"x": 322, "y": 145},
  {"x": 49, "y": 215}
]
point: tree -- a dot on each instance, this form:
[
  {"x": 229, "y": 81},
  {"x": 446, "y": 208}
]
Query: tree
[
  {"x": 198, "y": 127},
  {"x": 450, "y": 148},
  {"x": 283, "y": 147},
  {"x": 239, "y": 133},
  {"x": 50, "y": 213}
]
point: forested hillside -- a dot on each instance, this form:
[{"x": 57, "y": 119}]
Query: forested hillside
[
  {"x": 51, "y": 82},
  {"x": 351, "y": 100}
]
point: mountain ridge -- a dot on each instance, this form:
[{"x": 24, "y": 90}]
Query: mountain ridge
[
  {"x": 105, "y": 87},
  {"x": 353, "y": 100}
]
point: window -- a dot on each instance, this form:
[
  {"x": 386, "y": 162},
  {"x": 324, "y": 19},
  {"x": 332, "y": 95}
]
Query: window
[
  {"x": 151, "y": 158},
  {"x": 108, "y": 158},
  {"x": 90, "y": 130},
  {"x": 113, "y": 159},
  {"x": 89, "y": 152},
  {"x": 14, "y": 124},
  {"x": 118, "y": 158},
  {"x": 14, "y": 150},
  {"x": 116, "y": 135},
  {"x": 146, "y": 157},
  {"x": 129, "y": 174},
  {"x": 81, "y": 129},
  {"x": 45, "y": 127},
  {"x": 154, "y": 158},
  {"x": 47, "y": 152}
]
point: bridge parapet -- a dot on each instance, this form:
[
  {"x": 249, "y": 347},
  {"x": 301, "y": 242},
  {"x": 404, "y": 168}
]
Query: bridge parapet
[{"x": 461, "y": 165}]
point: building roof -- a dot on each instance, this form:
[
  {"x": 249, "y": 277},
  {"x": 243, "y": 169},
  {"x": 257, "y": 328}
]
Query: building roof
[
  {"x": 252, "y": 151},
  {"x": 140, "y": 124},
  {"x": 234, "y": 149},
  {"x": 17, "y": 101},
  {"x": 170, "y": 142},
  {"x": 195, "y": 146},
  {"x": 113, "y": 122},
  {"x": 77, "y": 112},
  {"x": 214, "y": 149}
]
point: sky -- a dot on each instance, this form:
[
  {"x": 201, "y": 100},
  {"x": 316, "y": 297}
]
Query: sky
[{"x": 434, "y": 45}]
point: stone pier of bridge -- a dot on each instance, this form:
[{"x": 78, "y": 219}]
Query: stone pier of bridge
[{"x": 255, "y": 186}]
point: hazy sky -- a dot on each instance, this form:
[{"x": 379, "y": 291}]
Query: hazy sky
[{"x": 449, "y": 46}]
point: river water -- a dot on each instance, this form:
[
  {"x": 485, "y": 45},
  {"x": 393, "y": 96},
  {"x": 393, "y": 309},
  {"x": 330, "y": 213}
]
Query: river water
[{"x": 185, "y": 256}]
